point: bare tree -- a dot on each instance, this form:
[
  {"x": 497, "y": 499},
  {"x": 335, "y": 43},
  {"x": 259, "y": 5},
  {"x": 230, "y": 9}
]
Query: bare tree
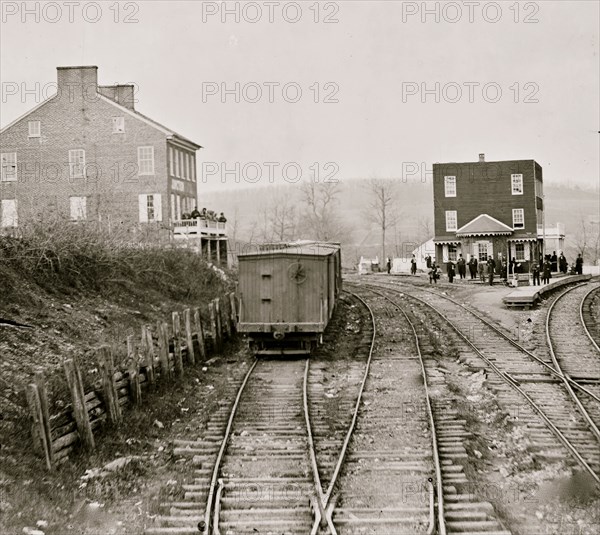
[
  {"x": 321, "y": 217},
  {"x": 425, "y": 230},
  {"x": 587, "y": 238},
  {"x": 382, "y": 207}
]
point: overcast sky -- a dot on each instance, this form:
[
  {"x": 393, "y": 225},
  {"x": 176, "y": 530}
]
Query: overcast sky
[{"x": 540, "y": 63}]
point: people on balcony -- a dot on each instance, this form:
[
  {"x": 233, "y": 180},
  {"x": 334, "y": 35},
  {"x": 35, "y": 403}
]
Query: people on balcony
[
  {"x": 222, "y": 218},
  {"x": 195, "y": 213}
]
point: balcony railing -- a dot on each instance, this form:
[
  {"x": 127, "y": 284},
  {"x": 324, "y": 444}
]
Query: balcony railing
[
  {"x": 551, "y": 230},
  {"x": 199, "y": 227}
]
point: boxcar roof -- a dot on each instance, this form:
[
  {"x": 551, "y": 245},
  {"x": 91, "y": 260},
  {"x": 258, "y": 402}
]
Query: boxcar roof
[{"x": 308, "y": 249}]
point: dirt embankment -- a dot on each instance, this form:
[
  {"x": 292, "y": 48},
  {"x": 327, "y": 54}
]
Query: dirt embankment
[{"x": 61, "y": 296}]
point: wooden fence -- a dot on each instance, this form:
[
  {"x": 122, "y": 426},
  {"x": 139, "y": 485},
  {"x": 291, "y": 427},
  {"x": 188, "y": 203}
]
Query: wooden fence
[{"x": 178, "y": 345}]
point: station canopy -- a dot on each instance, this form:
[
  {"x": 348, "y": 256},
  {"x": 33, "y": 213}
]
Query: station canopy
[{"x": 484, "y": 225}]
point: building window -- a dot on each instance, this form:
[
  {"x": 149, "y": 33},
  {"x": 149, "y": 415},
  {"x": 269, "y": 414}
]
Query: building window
[
  {"x": 145, "y": 160},
  {"x": 482, "y": 251},
  {"x": 450, "y": 186},
  {"x": 9, "y": 167},
  {"x": 76, "y": 163},
  {"x": 451, "y": 220},
  {"x": 176, "y": 160},
  {"x": 35, "y": 128},
  {"x": 519, "y": 252},
  {"x": 150, "y": 207},
  {"x": 187, "y": 166},
  {"x": 178, "y": 200},
  {"x": 452, "y": 250},
  {"x": 518, "y": 218},
  {"x": 8, "y": 213},
  {"x": 182, "y": 164},
  {"x": 171, "y": 163},
  {"x": 118, "y": 124},
  {"x": 173, "y": 214},
  {"x": 517, "y": 184},
  {"x": 193, "y": 167},
  {"x": 78, "y": 208}
]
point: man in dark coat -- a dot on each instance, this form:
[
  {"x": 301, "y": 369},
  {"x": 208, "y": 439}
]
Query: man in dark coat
[
  {"x": 579, "y": 265},
  {"x": 554, "y": 262},
  {"x": 451, "y": 272},
  {"x": 562, "y": 263},
  {"x": 413, "y": 265},
  {"x": 491, "y": 264},
  {"x": 433, "y": 274},
  {"x": 195, "y": 213},
  {"x": 462, "y": 267},
  {"x": 428, "y": 261},
  {"x": 535, "y": 270},
  {"x": 547, "y": 271}
]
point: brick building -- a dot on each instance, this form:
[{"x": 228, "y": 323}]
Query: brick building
[
  {"x": 485, "y": 209},
  {"x": 87, "y": 154}
]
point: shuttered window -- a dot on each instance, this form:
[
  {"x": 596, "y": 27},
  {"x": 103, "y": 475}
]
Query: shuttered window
[{"x": 150, "y": 207}]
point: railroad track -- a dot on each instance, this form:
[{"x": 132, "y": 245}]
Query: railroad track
[
  {"x": 425, "y": 442},
  {"x": 550, "y": 414},
  {"x": 589, "y": 311}
]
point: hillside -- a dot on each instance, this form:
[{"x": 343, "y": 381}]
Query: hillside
[{"x": 247, "y": 210}]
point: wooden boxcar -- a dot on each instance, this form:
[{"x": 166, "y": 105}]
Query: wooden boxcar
[{"x": 287, "y": 295}]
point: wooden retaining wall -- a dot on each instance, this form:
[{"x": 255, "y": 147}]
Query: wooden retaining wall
[{"x": 160, "y": 353}]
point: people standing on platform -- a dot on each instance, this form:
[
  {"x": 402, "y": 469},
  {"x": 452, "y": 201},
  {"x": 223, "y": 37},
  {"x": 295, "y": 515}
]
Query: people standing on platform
[
  {"x": 472, "y": 267},
  {"x": 491, "y": 264},
  {"x": 428, "y": 261},
  {"x": 547, "y": 271},
  {"x": 413, "y": 265},
  {"x": 562, "y": 263},
  {"x": 579, "y": 265},
  {"x": 554, "y": 262},
  {"x": 535, "y": 270},
  {"x": 481, "y": 268},
  {"x": 462, "y": 267},
  {"x": 513, "y": 266},
  {"x": 433, "y": 274},
  {"x": 503, "y": 269},
  {"x": 451, "y": 271}
]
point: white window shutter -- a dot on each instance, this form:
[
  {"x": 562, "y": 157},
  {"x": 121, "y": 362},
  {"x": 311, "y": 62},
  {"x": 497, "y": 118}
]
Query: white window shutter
[
  {"x": 444, "y": 253},
  {"x": 143, "y": 205},
  {"x": 526, "y": 247},
  {"x": 490, "y": 249},
  {"x": 157, "y": 207}
]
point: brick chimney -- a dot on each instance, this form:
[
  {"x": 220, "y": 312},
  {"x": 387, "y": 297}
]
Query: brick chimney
[
  {"x": 78, "y": 81},
  {"x": 481, "y": 157},
  {"x": 121, "y": 94}
]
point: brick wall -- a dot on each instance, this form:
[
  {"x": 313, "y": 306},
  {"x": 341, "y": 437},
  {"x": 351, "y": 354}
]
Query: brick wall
[
  {"x": 485, "y": 188},
  {"x": 79, "y": 118}
]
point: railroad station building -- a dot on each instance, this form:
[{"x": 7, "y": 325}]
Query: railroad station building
[
  {"x": 489, "y": 209},
  {"x": 86, "y": 154}
]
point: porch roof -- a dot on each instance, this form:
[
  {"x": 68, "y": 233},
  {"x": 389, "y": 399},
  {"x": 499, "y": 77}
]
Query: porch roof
[{"x": 484, "y": 225}]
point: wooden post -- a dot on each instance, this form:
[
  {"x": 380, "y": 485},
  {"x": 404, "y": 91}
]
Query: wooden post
[
  {"x": 189, "y": 340},
  {"x": 225, "y": 315},
  {"x": 199, "y": 333},
  {"x": 213, "y": 326},
  {"x": 133, "y": 368},
  {"x": 109, "y": 390},
  {"x": 219, "y": 324},
  {"x": 163, "y": 350},
  {"x": 78, "y": 399},
  {"x": 233, "y": 312},
  {"x": 43, "y": 397},
  {"x": 38, "y": 430},
  {"x": 148, "y": 353},
  {"x": 177, "y": 357}
]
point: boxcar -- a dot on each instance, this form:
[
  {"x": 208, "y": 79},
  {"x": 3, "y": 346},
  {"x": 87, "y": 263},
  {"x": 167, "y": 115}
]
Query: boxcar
[{"x": 287, "y": 294}]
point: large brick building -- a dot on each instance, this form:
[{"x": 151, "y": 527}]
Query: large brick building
[
  {"x": 88, "y": 154},
  {"x": 485, "y": 209}
]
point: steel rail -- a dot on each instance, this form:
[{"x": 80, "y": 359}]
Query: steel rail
[
  {"x": 558, "y": 367},
  {"x": 595, "y": 289},
  {"x": 342, "y": 455},
  {"x": 436, "y": 457},
  {"x": 219, "y": 459},
  {"x": 513, "y": 383},
  {"x": 499, "y": 331}
]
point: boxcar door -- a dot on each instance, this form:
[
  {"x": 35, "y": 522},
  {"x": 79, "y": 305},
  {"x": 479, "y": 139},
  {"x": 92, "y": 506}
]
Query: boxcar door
[{"x": 265, "y": 267}]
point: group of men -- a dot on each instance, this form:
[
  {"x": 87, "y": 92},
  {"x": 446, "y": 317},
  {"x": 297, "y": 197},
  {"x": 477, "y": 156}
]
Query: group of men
[
  {"x": 208, "y": 215},
  {"x": 487, "y": 269}
]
